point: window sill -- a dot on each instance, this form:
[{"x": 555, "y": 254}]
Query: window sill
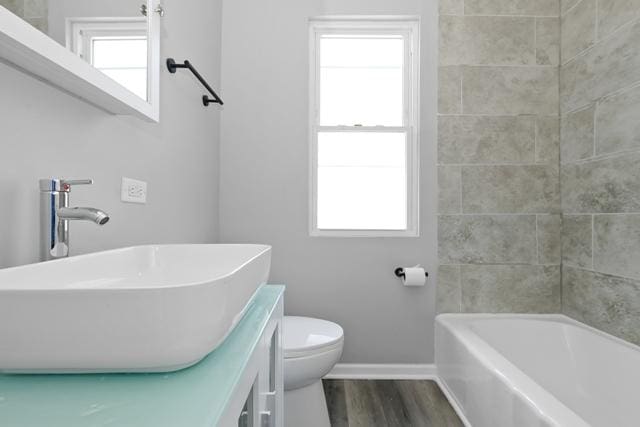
[{"x": 364, "y": 233}]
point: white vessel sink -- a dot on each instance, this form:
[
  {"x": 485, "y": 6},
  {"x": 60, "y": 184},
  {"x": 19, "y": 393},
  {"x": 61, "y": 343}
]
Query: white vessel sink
[{"x": 139, "y": 309}]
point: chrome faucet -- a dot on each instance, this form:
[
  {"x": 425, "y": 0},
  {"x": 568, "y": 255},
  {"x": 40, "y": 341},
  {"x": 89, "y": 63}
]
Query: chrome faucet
[{"x": 55, "y": 215}]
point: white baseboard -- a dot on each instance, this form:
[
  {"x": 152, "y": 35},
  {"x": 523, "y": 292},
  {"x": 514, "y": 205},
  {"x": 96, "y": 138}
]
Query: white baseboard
[{"x": 385, "y": 371}]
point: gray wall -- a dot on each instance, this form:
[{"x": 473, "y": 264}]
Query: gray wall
[
  {"x": 48, "y": 133},
  {"x": 600, "y": 104},
  {"x": 264, "y": 181},
  {"x": 499, "y": 223}
]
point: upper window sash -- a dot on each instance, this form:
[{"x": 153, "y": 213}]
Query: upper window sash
[
  {"x": 80, "y": 31},
  {"x": 373, "y": 129},
  {"x": 406, "y": 29}
]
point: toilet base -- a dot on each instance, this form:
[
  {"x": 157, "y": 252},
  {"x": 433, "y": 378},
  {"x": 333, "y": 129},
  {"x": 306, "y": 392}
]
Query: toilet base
[{"x": 306, "y": 407}]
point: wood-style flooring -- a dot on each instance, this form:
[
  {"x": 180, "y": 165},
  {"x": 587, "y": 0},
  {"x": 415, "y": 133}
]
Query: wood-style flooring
[{"x": 388, "y": 403}]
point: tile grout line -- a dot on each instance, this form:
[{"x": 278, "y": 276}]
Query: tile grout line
[
  {"x": 523, "y": 164},
  {"x": 537, "y": 243},
  {"x": 559, "y": 54},
  {"x": 613, "y": 94},
  {"x": 532, "y": 66},
  {"x": 460, "y": 287},
  {"x": 619, "y": 92},
  {"x": 570, "y": 9},
  {"x": 596, "y": 25},
  {"x": 600, "y": 157},
  {"x": 580, "y": 109},
  {"x": 559, "y": 161},
  {"x": 605, "y": 38},
  {"x": 507, "y": 116},
  {"x": 461, "y": 89},
  {"x": 494, "y": 15},
  {"x": 595, "y": 128},
  {"x": 535, "y": 140},
  {"x": 532, "y": 214},
  {"x": 499, "y": 264},
  {"x": 593, "y": 238},
  {"x": 535, "y": 41},
  {"x": 461, "y": 201},
  {"x": 591, "y": 270},
  {"x": 596, "y": 214}
]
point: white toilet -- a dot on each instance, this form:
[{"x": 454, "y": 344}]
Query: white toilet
[{"x": 311, "y": 348}]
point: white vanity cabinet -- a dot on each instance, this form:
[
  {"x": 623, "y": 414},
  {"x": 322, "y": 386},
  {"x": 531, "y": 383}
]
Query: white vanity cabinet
[{"x": 258, "y": 398}]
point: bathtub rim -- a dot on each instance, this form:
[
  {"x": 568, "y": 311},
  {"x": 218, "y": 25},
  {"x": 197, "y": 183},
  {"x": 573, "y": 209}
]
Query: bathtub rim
[
  {"x": 542, "y": 401},
  {"x": 457, "y": 318}
]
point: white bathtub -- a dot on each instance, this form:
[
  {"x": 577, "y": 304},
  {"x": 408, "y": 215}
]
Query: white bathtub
[{"x": 537, "y": 370}]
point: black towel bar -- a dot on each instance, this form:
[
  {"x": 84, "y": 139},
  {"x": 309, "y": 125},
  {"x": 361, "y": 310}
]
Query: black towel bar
[{"x": 173, "y": 66}]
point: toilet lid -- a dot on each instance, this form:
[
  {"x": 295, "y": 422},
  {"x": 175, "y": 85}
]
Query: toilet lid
[{"x": 303, "y": 335}]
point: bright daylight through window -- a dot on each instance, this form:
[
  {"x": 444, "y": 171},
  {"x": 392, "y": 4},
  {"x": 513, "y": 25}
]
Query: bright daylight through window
[
  {"x": 364, "y": 127},
  {"x": 115, "y": 46}
]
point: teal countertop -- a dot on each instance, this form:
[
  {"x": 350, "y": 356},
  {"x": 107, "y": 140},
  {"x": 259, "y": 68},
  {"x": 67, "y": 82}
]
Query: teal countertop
[{"x": 196, "y": 396}]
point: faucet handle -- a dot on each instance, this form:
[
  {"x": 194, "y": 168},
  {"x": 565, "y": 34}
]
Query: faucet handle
[
  {"x": 67, "y": 183},
  {"x": 76, "y": 181},
  {"x": 64, "y": 185}
]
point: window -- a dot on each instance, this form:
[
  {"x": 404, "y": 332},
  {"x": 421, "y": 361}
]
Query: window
[
  {"x": 364, "y": 127},
  {"x": 115, "y": 46}
]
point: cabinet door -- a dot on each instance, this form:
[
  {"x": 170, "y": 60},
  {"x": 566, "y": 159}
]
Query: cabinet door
[
  {"x": 259, "y": 395},
  {"x": 272, "y": 385},
  {"x": 249, "y": 415}
]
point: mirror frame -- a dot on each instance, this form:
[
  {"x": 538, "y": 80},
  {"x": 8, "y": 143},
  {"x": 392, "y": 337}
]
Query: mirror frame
[{"x": 34, "y": 52}]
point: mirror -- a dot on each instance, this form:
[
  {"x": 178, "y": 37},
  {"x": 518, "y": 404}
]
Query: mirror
[{"x": 112, "y": 35}]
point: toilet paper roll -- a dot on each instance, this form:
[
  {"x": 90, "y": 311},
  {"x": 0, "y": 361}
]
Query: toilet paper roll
[{"x": 414, "y": 276}]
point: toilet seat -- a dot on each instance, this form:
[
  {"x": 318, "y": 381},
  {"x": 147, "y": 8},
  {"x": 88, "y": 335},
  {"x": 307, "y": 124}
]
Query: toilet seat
[{"x": 304, "y": 336}]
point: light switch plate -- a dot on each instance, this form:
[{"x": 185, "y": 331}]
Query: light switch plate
[{"x": 133, "y": 191}]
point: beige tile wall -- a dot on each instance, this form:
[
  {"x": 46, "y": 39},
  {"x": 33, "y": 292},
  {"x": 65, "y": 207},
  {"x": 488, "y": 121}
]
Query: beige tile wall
[
  {"x": 498, "y": 156},
  {"x": 600, "y": 171},
  {"x": 34, "y": 12},
  {"x": 509, "y": 216}
]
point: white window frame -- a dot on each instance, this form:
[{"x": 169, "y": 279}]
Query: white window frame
[
  {"x": 409, "y": 27},
  {"x": 80, "y": 31}
]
